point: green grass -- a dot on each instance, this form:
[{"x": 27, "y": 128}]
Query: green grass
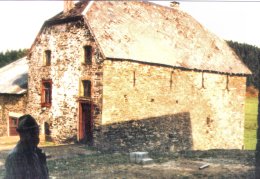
[{"x": 250, "y": 123}]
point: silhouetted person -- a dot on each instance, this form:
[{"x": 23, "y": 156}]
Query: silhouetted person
[{"x": 26, "y": 160}]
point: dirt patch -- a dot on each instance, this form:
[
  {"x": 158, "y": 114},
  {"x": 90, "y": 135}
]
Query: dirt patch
[
  {"x": 66, "y": 151},
  {"x": 7, "y": 143}
]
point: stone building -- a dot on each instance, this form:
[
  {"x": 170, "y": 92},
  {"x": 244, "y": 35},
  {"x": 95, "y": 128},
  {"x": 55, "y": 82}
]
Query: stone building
[
  {"x": 13, "y": 95},
  {"x": 135, "y": 75}
]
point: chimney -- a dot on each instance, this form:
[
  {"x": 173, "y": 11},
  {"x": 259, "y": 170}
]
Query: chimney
[
  {"x": 174, "y": 4},
  {"x": 68, "y": 5}
]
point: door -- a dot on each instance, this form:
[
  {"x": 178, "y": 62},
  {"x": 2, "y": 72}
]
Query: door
[
  {"x": 13, "y": 124},
  {"x": 85, "y": 123}
]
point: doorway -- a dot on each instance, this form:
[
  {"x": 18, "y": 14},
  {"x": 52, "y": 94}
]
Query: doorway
[
  {"x": 13, "y": 124},
  {"x": 85, "y": 131}
]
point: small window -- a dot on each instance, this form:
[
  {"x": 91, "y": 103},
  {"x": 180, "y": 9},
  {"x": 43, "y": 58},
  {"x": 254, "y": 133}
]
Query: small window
[
  {"x": 46, "y": 93},
  {"x": 47, "y": 56},
  {"x": 88, "y": 55},
  {"x": 86, "y": 88}
]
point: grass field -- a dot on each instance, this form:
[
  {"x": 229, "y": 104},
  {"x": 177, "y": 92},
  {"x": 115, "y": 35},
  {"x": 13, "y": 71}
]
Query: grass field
[{"x": 250, "y": 123}]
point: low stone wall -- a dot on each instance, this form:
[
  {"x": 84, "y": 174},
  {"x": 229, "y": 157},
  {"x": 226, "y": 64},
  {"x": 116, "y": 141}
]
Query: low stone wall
[{"x": 165, "y": 133}]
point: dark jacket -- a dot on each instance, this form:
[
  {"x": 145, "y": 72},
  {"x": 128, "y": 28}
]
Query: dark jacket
[{"x": 25, "y": 162}]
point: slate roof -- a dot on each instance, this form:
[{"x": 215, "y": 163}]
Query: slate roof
[
  {"x": 147, "y": 32},
  {"x": 14, "y": 77}
]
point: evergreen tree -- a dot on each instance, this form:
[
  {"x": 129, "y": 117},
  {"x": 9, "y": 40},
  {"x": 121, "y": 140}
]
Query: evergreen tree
[
  {"x": 12, "y": 55},
  {"x": 250, "y": 55}
]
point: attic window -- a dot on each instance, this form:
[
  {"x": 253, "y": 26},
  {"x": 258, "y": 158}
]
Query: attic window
[
  {"x": 88, "y": 54},
  {"x": 46, "y": 93},
  {"x": 86, "y": 88},
  {"x": 47, "y": 57}
]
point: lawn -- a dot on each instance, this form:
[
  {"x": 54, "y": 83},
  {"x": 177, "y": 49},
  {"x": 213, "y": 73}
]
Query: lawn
[{"x": 250, "y": 123}]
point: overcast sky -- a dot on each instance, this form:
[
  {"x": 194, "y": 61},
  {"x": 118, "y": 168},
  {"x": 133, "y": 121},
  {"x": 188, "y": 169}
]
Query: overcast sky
[{"x": 237, "y": 21}]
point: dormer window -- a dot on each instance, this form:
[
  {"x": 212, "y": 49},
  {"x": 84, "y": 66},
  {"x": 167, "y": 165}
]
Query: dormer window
[
  {"x": 88, "y": 54},
  {"x": 47, "y": 57}
]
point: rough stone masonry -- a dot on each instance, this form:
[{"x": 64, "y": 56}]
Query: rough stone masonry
[{"x": 135, "y": 105}]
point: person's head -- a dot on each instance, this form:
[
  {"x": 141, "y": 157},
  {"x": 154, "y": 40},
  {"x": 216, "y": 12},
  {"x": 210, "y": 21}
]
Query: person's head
[{"x": 28, "y": 129}]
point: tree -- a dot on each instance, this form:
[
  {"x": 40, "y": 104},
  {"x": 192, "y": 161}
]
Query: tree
[
  {"x": 10, "y": 56},
  {"x": 250, "y": 55}
]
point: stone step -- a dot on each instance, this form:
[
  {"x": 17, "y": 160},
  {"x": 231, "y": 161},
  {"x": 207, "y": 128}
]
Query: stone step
[
  {"x": 146, "y": 161},
  {"x": 137, "y": 156},
  {"x": 140, "y": 158}
]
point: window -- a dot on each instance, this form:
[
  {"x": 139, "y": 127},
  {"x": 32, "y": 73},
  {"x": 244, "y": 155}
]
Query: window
[
  {"x": 47, "y": 57},
  {"x": 88, "y": 55},
  {"x": 46, "y": 93},
  {"x": 86, "y": 88}
]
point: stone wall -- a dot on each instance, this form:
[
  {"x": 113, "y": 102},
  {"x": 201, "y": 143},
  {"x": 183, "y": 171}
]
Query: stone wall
[
  {"x": 10, "y": 103},
  {"x": 139, "y": 92},
  {"x": 66, "y": 42},
  {"x": 164, "y": 133},
  {"x": 135, "y": 105}
]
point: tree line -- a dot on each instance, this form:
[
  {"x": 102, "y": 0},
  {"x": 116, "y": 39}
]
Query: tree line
[
  {"x": 249, "y": 54},
  {"x": 11, "y": 55}
]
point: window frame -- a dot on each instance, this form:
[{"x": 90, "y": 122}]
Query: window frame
[
  {"x": 88, "y": 54},
  {"x": 85, "y": 93},
  {"x": 47, "y": 57},
  {"x": 44, "y": 102}
]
